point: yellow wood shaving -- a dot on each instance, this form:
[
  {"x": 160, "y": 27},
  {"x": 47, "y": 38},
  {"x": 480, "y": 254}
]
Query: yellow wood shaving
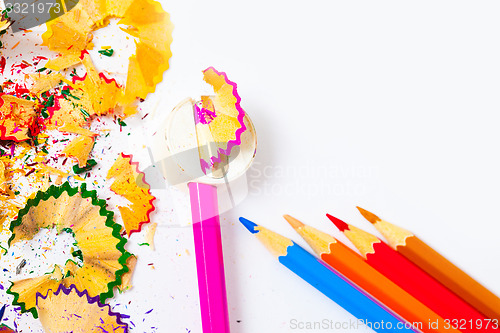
[
  {"x": 79, "y": 148},
  {"x": 3, "y": 180},
  {"x": 61, "y": 63},
  {"x": 44, "y": 82},
  {"x": 129, "y": 183},
  {"x": 71, "y": 128},
  {"x": 69, "y": 112},
  {"x": 4, "y": 23},
  {"x": 150, "y": 235},
  {"x": 16, "y": 115},
  {"x": 72, "y": 312},
  {"x": 127, "y": 277}
]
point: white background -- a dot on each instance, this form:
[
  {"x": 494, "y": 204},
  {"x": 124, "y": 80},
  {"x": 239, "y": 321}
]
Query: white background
[
  {"x": 398, "y": 101},
  {"x": 389, "y": 105}
]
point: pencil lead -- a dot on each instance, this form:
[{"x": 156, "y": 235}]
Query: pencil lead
[
  {"x": 341, "y": 225},
  {"x": 249, "y": 225},
  {"x": 296, "y": 224},
  {"x": 372, "y": 218}
]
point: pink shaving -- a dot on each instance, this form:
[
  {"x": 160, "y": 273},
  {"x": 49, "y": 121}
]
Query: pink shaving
[{"x": 237, "y": 141}]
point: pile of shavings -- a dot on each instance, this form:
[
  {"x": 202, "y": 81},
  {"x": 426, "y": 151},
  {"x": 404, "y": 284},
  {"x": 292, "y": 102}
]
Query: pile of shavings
[
  {"x": 64, "y": 97},
  {"x": 63, "y": 117},
  {"x": 71, "y": 34},
  {"x": 82, "y": 98},
  {"x": 18, "y": 118},
  {"x": 65, "y": 107},
  {"x": 101, "y": 259},
  {"x": 45, "y": 100},
  {"x": 18, "y": 180},
  {"x": 68, "y": 309},
  {"x": 76, "y": 101}
]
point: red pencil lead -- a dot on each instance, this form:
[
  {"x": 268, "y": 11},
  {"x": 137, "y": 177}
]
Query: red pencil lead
[{"x": 341, "y": 225}]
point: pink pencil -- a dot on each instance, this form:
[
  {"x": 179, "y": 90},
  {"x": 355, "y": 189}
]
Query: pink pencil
[{"x": 209, "y": 259}]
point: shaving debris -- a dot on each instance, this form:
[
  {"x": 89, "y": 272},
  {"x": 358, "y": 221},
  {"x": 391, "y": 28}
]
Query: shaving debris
[
  {"x": 81, "y": 213},
  {"x": 20, "y": 266},
  {"x": 71, "y": 310},
  {"x": 130, "y": 183},
  {"x": 150, "y": 235},
  {"x": 50, "y": 110},
  {"x": 71, "y": 34}
]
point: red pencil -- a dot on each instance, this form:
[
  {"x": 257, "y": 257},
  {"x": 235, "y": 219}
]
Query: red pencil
[{"x": 416, "y": 282}]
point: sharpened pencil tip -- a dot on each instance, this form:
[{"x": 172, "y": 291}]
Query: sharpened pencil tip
[
  {"x": 296, "y": 224},
  {"x": 341, "y": 225},
  {"x": 2, "y": 311},
  {"x": 372, "y": 218},
  {"x": 249, "y": 225}
]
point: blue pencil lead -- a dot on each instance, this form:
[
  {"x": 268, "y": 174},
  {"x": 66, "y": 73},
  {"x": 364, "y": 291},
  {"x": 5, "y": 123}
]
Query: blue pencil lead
[
  {"x": 249, "y": 225},
  {"x": 2, "y": 311}
]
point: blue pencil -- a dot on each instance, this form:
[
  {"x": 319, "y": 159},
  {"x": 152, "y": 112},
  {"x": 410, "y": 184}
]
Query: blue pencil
[{"x": 326, "y": 280}]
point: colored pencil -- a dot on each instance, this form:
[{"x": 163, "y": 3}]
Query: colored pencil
[
  {"x": 326, "y": 280},
  {"x": 355, "y": 268},
  {"x": 415, "y": 281},
  {"x": 437, "y": 266},
  {"x": 209, "y": 258}
]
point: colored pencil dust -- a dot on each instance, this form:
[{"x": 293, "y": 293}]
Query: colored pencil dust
[
  {"x": 415, "y": 281},
  {"x": 327, "y": 281},
  {"x": 355, "y": 268},
  {"x": 437, "y": 266}
]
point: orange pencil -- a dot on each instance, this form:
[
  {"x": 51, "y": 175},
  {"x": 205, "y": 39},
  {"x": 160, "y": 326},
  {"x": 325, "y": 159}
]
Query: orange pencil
[
  {"x": 415, "y": 281},
  {"x": 354, "y": 267},
  {"x": 437, "y": 266}
]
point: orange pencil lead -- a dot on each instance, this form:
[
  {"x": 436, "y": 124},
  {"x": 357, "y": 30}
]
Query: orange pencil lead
[
  {"x": 296, "y": 224},
  {"x": 341, "y": 225},
  {"x": 372, "y": 218}
]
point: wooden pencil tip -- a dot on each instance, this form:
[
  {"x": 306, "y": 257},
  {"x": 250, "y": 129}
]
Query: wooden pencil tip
[
  {"x": 341, "y": 225},
  {"x": 372, "y": 218},
  {"x": 296, "y": 224}
]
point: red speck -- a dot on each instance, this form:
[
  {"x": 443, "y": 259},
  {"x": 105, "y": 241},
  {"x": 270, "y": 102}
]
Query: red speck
[
  {"x": 38, "y": 58},
  {"x": 21, "y": 90},
  {"x": 3, "y": 61},
  {"x": 34, "y": 128}
]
